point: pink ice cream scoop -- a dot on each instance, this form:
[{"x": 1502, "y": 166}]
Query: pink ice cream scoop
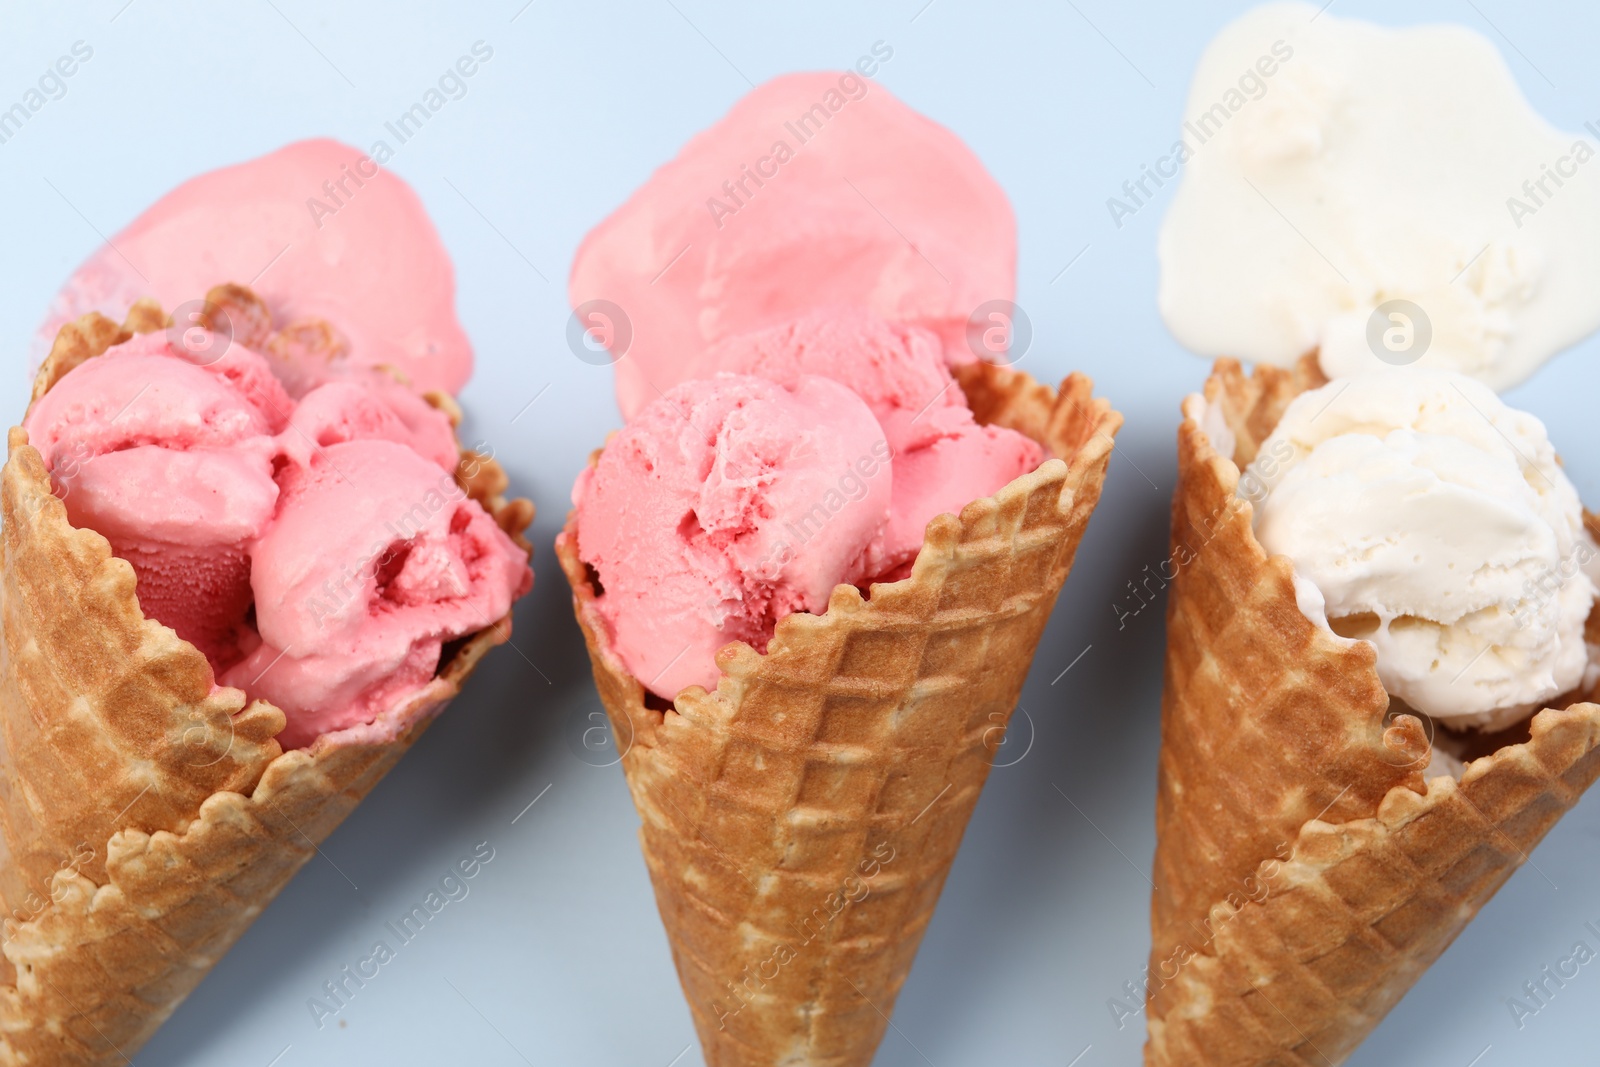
[
  {"x": 366, "y": 408},
  {"x": 942, "y": 458},
  {"x": 224, "y": 493},
  {"x": 376, "y": 558},
  {"x": 815, "y": 189},
  {"x": 899, "y": 371},
  {"x": 172, "y": 463},
  {"x": 725, "y": 505},
  {"x": 320, "y": 231},
  {"x": 945, "y": 477}
]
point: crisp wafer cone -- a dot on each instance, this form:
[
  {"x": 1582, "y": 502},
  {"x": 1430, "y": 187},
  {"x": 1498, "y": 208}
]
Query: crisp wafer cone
[
  {"x": 1305, "y": 872},
  {"x": 798, "y": 822},
  {"x": 146, "y": 820}
]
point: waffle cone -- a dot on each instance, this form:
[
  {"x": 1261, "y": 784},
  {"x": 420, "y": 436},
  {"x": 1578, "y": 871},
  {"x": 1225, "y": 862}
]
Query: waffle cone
[
  {"x": 146, "y": 818},
  {"x": 1306, "y": 874},
  {"x": 798, "y": 822}
]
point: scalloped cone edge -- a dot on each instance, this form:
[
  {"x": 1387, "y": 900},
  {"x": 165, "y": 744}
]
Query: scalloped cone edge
[{"x": 1306, "y": 874}]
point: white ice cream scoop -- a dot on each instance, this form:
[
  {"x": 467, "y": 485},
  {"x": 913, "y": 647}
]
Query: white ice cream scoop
[{"x": 1437, "y": 524}]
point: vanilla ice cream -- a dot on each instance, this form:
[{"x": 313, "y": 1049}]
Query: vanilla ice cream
[
  {"x": 1437, "y": 523},
  {"x": 1332, "y": 167}
]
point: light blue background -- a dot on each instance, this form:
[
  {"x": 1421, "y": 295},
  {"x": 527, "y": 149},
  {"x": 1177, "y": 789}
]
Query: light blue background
[{"x": 557, "y": 955}]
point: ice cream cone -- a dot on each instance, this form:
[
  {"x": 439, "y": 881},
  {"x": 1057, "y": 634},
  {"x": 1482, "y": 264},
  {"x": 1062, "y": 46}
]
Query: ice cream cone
[
  {"x": 147, "y": 819},
  {"x": 798, "y": 822},
  {"x": 1306, "y": 873}
]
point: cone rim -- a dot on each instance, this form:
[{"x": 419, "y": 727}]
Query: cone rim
[{"x": 942, "y": 536}]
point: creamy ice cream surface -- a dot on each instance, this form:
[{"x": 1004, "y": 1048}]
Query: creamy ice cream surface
[
  {"x": 814, "y": 189},
  {"x": 1437, "y": 523},
  {"x": 317, "y": 549},
  {"x": 813, "y": 453},
  {"x": 1379, "y": 195},
  {"x": 728, "y": 503},
  {"x": 374, "y": 559},
  {"x": 942, "y": 457},
  {"x": 792, "y": 420},
  {"x": 320, "y": 230}
]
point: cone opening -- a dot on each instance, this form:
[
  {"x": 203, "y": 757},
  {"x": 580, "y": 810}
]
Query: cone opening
[
  {"x": 1299, "y": 851},
  {"x": 1236, "y": 415},
  {"x": 1071, "y": 425},
  {"x": 241, "y": 312}
]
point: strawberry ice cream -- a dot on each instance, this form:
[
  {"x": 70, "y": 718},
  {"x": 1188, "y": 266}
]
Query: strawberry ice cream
[
  {"x": 227, "y": 494},
  {"x": 811, "y": 454},
  {"x": 375, "y": 558},
  {"x": 320, "y": 231},
  {"x": 374, "y": 406},
  {"x": 725, "y": 505},
  {"x": 942, "y": 457},
  {"x": 172, "y": 463},
  {"x": 814, "y": 189},
  {"x": 821, "y": 240}
]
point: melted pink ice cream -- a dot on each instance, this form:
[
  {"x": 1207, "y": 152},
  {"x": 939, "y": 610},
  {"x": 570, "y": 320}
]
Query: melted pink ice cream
[
  {"x": 725, "y": 505},
  {"x": 224, "y": 492},
  {"x": 319, "y": 231},
  {"x": 836, "y": 193},
  {"x": 942, "y": 458}
]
